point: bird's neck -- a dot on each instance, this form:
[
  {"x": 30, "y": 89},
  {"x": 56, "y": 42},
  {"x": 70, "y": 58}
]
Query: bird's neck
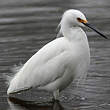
[{"x": 72, "y": 33}]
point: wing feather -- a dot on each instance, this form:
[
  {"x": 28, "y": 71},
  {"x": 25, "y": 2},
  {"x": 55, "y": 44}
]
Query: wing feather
[{"x": 42, "y": 68}]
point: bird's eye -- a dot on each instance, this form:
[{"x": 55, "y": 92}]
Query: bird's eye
[{"x": 79, "y": 19}]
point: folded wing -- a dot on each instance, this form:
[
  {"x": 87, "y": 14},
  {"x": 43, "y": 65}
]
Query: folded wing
[{"x": 44, "y": 67}]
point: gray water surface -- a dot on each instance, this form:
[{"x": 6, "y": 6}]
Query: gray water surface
[{"x": 27, "y": 25}]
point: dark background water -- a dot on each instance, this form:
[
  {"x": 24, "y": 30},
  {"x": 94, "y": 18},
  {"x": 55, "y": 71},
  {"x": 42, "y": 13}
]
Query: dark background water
[{"x": 27, "y": 25}]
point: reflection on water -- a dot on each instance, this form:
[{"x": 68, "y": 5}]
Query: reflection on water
[{"x": 17, "y": 104}]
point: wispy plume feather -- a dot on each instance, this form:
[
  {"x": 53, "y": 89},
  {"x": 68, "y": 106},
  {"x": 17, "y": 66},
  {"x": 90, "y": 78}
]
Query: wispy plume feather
[
  {"x": 59, "y": 30},
  {"x": 9, "y": 76}
]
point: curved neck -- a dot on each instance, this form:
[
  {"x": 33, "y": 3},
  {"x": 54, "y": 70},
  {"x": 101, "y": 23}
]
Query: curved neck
[
  {"x": 73, "y": 33},
  {"x": 70, "y": 32}
]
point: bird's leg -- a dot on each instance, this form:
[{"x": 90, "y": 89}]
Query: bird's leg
[{"x": 56, "y": 95}]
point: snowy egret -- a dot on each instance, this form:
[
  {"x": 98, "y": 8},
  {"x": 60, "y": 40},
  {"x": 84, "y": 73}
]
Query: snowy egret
[{"x": 60, "y": 61}]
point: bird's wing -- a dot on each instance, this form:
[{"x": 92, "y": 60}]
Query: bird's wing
[{"x": 43, "y": 67}]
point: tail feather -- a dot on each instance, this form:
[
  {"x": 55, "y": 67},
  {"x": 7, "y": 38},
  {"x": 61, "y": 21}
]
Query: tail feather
[
  {"x": 18, "y": 90},
  {"x": 16, "y": 82},
  {"x": 8, "y": 77}
]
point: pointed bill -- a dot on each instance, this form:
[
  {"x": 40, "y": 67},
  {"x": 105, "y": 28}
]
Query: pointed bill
[
  {"x": 85, "y": 22},
  {"x": 93, "y": 28}
]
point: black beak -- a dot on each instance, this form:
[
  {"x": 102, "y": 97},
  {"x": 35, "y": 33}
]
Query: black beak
[{"x": 93, "y": 28}]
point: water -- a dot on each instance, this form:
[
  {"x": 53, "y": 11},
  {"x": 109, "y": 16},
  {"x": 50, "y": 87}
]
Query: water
[{"x": 25, "y": 26}]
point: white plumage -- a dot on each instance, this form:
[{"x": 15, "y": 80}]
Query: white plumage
[{"x": 59, "y": 62}]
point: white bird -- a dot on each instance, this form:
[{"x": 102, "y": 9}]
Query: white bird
[{"x": 60, "y": 61}]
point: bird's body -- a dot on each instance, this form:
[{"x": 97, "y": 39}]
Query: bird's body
[{"x": 58, "y": 63}]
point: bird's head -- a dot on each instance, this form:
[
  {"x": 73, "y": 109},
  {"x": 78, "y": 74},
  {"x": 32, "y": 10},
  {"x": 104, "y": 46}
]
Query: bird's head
[{"x": 75, "y": 18}]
